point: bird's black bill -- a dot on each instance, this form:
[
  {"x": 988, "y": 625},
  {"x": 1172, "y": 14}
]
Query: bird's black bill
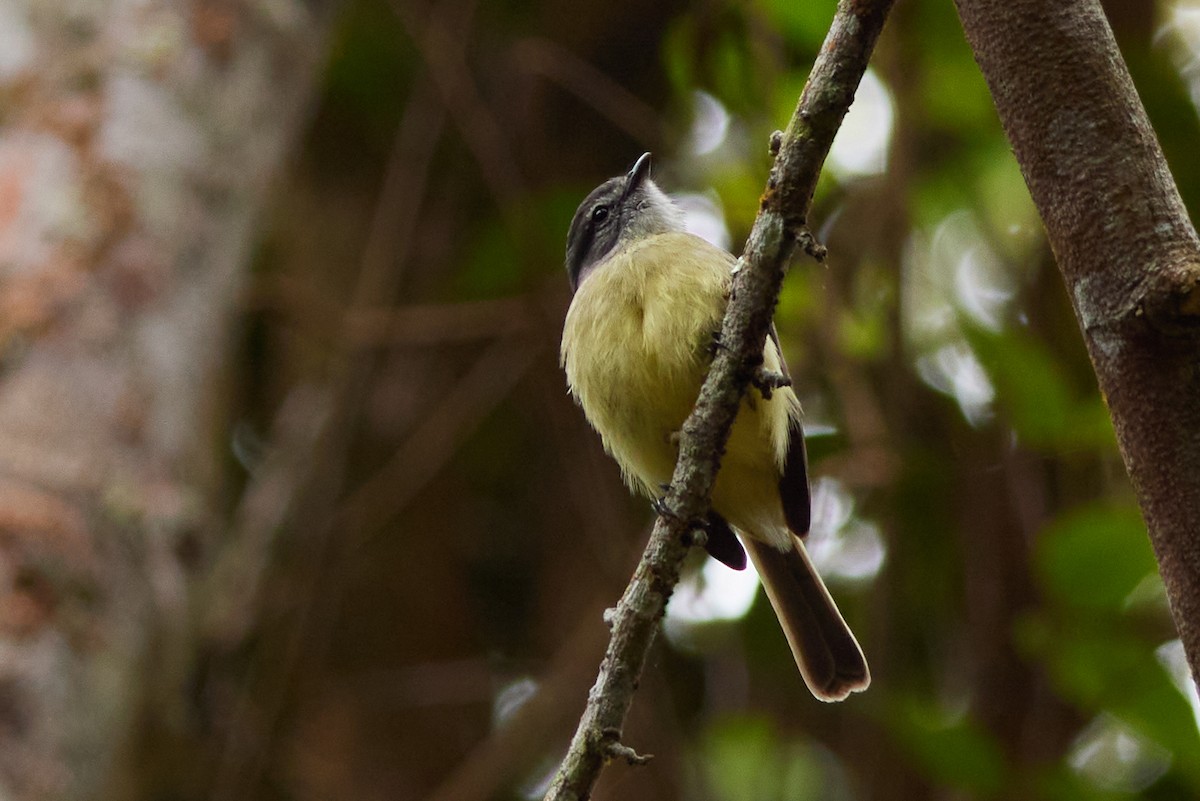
[{"x": 637, "y": 173}]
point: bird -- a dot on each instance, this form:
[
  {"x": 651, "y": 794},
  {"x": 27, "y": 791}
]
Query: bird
[{"x": 647, "y": 303}]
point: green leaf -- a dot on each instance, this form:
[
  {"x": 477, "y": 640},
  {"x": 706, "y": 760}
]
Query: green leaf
[
  {"x": 745, "y": 759},
  {"x": 862, "y": 336},
  {"x": 1059, "y": 783},
  {"x": 737, "y": 80},
  {"x": 953, "y": 94},
  {"x": 1031, "y": 387},
  {"x": 739, "y": 759},
  {"x": 1006, "y": 208},
  {"x": 804, "y": 24},
  {"x": 1095, "y": 556},
  {"x": 952, "y": 751},
  {"x": 1034, "y": 393},
  {"x": 678, "y": 48},
  {"x": 1101, "y": 663}
]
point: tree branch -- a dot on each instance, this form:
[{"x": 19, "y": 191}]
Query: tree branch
[
  {"x": 781, "y": 224},
  {"x": 1128, "y": 254}
]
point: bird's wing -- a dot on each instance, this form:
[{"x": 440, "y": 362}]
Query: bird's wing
[
  {"x": 793, "y": 484},
  {"x": 722, "y": 544}
]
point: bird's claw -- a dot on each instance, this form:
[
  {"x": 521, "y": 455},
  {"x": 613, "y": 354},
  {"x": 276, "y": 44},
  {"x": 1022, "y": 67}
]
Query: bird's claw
[
  {"x": 716, "y": 344},
  {"x": 661, "y": 507},
  {"x": 767, "y": 381}
]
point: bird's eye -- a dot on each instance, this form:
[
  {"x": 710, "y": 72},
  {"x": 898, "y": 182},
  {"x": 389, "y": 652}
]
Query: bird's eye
[{"x": 600, "y": 214}]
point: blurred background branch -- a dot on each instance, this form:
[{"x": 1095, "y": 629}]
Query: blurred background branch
[
  {"x": 137, "y": 148},
  {"x": 1126, "y": 248}
]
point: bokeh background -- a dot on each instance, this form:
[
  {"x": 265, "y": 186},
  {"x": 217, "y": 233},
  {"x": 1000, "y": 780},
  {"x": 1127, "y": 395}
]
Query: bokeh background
[
  {"x": 430, "y": 615},
  {"x": 973, "y": 517}
]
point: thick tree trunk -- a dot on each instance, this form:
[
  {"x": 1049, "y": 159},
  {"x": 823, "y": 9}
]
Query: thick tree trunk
[
  {"x": 135, "y": 146},
  {"x": 1127, "y": 251}
]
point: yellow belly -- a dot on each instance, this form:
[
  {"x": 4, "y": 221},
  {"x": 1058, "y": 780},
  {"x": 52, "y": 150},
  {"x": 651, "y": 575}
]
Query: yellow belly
[{"x": 635, "y": 348}]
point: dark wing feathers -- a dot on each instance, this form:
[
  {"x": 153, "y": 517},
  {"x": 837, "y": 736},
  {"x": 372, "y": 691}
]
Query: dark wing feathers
[
  {"x": 722, "y": 544},
  {"x": 793, "y": 485}
]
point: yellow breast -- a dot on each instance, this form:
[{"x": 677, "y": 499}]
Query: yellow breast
[{"x": 636, "y": 346}]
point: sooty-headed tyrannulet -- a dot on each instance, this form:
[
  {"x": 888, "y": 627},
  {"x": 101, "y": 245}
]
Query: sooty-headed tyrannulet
[{"x": 638, "y": 339}]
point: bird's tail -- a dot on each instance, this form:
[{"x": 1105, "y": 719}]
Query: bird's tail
[{"x": 826, "y": 652}]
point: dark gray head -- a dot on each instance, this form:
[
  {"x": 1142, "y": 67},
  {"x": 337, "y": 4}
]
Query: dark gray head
[{"x": 619, "y": 211}]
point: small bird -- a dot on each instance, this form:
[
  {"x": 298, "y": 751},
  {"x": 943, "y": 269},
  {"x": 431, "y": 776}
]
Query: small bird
[{"x": 648, "y": 301}]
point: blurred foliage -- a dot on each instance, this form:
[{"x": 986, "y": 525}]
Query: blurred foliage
[
  {"x": 955, "y": 753},
  {"x": 1015, "y": 630}
]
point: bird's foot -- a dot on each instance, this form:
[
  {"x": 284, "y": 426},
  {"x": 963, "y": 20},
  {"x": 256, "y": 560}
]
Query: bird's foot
[
  {"x": 716, "y": 344},
  {"x": 660, "y": 505},
  {"x": 696, "y": 534},
  {"x": 767, "y": 381}
]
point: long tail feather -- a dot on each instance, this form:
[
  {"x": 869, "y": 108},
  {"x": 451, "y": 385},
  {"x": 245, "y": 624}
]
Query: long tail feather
[{"x": 826, "y": 652}]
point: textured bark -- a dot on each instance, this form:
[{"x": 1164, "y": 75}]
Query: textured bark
[
  {"x": 1127, "y": 251},
  {"x": 136, "y": 145},
  {"x": 780, "y": 225}
]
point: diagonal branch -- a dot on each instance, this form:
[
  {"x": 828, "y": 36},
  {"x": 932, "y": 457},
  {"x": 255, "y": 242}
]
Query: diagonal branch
[
  {"x": 780, "y": 226},
  {"x": 1128, "y": 254}
]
